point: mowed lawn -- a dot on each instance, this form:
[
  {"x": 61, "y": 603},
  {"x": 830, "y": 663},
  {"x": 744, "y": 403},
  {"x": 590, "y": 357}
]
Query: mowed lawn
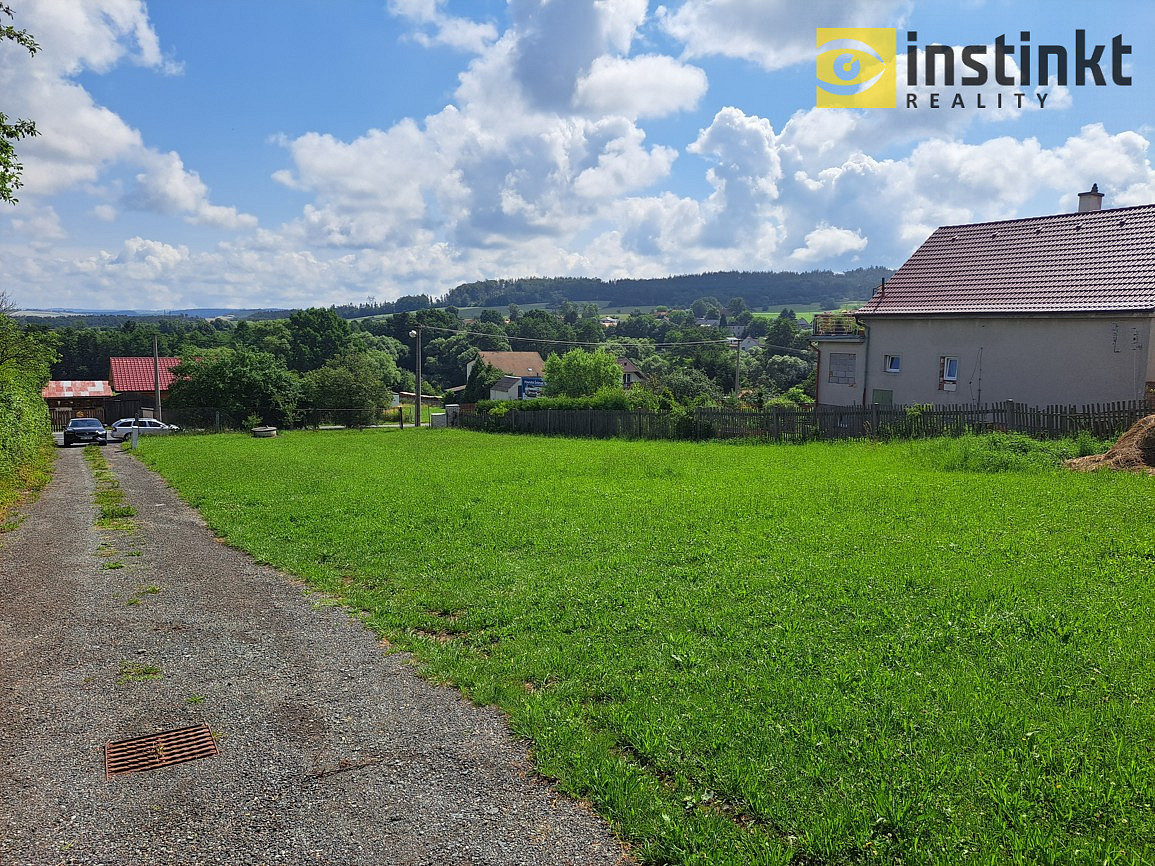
[{"x": 834, "y": 653}]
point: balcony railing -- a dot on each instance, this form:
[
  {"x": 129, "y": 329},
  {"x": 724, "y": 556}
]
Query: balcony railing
[{"x": 836, "y": 325}]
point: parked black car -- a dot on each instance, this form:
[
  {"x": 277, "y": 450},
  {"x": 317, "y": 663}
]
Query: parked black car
[{"x": 86, "y": 431}]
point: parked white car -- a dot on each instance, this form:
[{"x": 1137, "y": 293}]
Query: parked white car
[{"x": 123, "y": 428}]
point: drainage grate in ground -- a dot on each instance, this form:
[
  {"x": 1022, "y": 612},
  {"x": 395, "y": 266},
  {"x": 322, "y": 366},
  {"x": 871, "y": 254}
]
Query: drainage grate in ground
[{"x": 158, "y": 750}]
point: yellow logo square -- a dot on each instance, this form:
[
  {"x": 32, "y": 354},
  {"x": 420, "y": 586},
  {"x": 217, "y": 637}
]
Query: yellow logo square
[{"x": 857, "y": 67}]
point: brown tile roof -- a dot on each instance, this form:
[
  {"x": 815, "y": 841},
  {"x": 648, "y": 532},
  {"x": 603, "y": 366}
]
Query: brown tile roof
[
  {"x": 75, "y": 388},
  {"x": 1100, "y": 261},
  {"x": 515, "y": 363},
  {"x": 135, "y": 374}
]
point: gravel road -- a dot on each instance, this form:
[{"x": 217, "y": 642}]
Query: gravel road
[{"x": 331, "y": 749}]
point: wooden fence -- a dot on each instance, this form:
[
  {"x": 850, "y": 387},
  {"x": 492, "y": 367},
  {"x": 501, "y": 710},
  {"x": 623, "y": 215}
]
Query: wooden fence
[{"x": 819, "y": 422}]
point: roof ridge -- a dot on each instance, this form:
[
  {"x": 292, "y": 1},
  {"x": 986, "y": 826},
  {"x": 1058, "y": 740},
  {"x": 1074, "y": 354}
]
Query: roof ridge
[{"x": 1093, "y": 214}]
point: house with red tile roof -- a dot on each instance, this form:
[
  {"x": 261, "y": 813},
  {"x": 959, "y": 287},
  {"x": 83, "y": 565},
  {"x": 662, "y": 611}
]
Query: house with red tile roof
[
  {"x": 1047, "y": 310},
  {"x": 137, "y": 374},
  {"x": 134, "y": 382}
]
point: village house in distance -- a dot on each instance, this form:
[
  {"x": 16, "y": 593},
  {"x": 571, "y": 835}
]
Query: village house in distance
[
  {"x": 1053, "y": 310},
  {"x": 523, "y": 374}
]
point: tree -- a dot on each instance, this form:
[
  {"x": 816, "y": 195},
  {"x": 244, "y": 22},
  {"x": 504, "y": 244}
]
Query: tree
[
  {"x": 491, "y": 317},
  {"x": 14, "y": 131},
  {"x": 579, "y": 373},
  {"x": 707, "y": 308},
  {"x": 238, "y": 383},
  {"x": 358, "y": 384},
  {"x": 690, "y": 386},
  {"x": 29, "y": 354},
  {"x": 780, "y": 373},
  {"x": 482, "y": 377},
  {"x": 547, "y": 330},
  {"x": 736, "y": 306},
  {"x": 315, "y": 336}
]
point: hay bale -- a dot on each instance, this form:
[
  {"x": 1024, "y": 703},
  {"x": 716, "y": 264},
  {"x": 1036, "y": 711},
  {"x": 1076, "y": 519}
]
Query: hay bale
[{"x": 1134, "y": 452}]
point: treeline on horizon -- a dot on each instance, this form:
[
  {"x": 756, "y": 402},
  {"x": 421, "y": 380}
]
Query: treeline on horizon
[
  {"x": 764, "y": 290},
  {"x": 760, "y": 289}
]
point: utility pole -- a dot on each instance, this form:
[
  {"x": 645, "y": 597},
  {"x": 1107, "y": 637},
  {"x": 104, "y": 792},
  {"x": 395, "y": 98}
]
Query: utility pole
[
  {"x": 737, "y": 367},
  {"x": 156, "y": 376},
  {"x": 417, "y": 409}
]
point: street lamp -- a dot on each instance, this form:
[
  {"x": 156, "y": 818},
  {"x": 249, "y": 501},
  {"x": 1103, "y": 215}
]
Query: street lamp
[{"x": 417, "y": 409}]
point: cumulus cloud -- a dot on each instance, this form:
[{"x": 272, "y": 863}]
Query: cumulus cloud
[
  {"x": 827, "y": 242},
  {"x": 635, "y": 87},
  {"x": 81, "y": 141},
  {"x": 547, "y": 161},
  {"x": 771, "y": 33},
  {"x": 436, "y": 27},
  {"x": 166, "y": 187}
]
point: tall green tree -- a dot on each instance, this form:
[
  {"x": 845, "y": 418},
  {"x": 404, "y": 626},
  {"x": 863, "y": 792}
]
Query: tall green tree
[
  {"x": 350, "y": 389},
  {"x": 238, "y": 383},
  {"x": 482, "y": 377},
  {"x": 15, "y": 130},
  {"x": 579, "y": 373},
  {"x": 315, "y": 336}
]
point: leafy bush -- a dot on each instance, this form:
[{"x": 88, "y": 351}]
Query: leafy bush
[{"x": 25, "y": 426}]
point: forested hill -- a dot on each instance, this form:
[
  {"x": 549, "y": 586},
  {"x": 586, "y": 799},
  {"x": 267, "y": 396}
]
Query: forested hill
[{"x": 757, "y": 288}]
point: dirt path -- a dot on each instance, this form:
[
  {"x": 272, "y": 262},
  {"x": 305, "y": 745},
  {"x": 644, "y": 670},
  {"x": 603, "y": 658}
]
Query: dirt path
[{"x": 331, "y": 750}]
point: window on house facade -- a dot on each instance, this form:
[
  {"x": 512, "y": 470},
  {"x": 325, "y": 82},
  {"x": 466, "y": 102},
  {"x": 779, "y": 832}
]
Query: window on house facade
[
  {"x": 882, "y": 397},
  {"x": 891, "y": 363},
  {"x": 841, "y": 368},
  {"x": 947, "y": 373}
]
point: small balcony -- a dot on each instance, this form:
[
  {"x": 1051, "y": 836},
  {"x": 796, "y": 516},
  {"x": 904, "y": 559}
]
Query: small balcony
[{"x": 837, "y": 326}]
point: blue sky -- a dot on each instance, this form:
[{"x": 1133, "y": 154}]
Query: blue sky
[{"x": 264, "y": 154}]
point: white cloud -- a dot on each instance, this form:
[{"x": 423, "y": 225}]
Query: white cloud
[
  {"x": 80, "y": 142},
  {"x": 771, "y": 33},
  {"x": 439, "y": 28},
  {"x": 166, "y": 187},
  {"x": 647, "y": 86},
  {"x": 827, "y": 242},
  {"x": 40, "y": 225}
]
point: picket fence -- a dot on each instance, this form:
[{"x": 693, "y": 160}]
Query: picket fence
[{"x": 819, "y": 422}]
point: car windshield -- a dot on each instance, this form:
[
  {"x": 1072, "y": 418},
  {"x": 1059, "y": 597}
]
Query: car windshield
[{"x": 85, "y": 422}]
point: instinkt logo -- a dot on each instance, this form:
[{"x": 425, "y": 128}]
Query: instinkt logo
[{"x": 856, "y": 67}]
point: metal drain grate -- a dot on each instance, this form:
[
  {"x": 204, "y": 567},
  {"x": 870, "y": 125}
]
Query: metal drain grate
[{"x": 158, "y": 750}]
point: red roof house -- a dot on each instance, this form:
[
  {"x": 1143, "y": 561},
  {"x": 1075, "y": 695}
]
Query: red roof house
[
  {"x": 1049, "y": 310},
  {"x": 136, "y": 374}
]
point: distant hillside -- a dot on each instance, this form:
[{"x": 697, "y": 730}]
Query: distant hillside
[
  {"x": 117, "y": 318},
  {"x": 757, "y": 288}
]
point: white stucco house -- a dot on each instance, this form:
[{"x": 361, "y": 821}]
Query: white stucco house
[{"x": 1053, "y": 310}]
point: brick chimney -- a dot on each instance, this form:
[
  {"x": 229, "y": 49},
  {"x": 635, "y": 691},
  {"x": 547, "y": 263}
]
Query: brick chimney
[{"x": 1091, "y": 200}]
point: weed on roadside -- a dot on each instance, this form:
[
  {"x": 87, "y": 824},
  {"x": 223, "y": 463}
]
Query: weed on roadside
[
  {"x": 114, "y": 514},
  {"x": 135, "y": 672}
]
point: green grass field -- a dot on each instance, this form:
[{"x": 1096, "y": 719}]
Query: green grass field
[{"x": 833, "y": 653}]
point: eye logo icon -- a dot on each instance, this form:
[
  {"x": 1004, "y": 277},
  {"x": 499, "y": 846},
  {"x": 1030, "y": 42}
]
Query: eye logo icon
[{"x": 856, "y": 67}]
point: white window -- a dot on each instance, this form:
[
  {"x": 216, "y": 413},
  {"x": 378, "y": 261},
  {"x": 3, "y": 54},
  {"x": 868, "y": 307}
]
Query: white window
[
  {"x": 841, "y": 369},
  {"x": 947, "y": 373},
  {"x": 891, "y": 363}
]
